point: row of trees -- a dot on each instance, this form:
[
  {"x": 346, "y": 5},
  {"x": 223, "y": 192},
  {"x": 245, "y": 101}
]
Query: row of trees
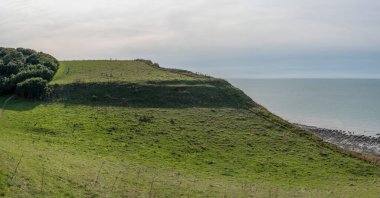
[{"x": 26, "y": 72}]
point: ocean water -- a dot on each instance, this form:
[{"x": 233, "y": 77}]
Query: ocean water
[{"x": 343, "y": 104}]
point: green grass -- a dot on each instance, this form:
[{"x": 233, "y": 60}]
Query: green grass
[
  {"x": 113, "y": 71},
  {"x": 2, "y": 185},
  {"x": 126, "y": 129}
]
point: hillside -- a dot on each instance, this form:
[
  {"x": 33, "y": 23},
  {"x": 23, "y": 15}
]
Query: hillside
[{"x": 129, "y": 129}]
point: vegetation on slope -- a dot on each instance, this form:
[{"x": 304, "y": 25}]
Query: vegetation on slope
[
  {"x": 26, "y": 72},
  {"x": 127, "y": 128},
  {"x": 2, "y": 185},
  {"x": 135, "y": 84}
]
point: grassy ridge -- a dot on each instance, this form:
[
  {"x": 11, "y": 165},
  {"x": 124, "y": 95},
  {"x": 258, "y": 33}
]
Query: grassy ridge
[
  {"x": 113, "y": 71},
  {"x": 124, "y": 128},
  {"x": 135, "y": 84}
]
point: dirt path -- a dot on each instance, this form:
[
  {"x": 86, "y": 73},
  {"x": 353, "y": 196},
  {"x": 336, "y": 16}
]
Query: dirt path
[{"x": 5, "y": 103}]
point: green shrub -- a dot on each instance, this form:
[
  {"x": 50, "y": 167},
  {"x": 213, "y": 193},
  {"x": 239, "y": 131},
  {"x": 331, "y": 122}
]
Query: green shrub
[
  {"x": 148, "y": 62},
  {"x": 5, "y": 51},
  {"x": 12, "y": 67},
  {"x": 19, "y": 65},
  {"x": 26, "y": 52},
  {"x": 13, "y": 56},
  {"x": 5, "y": 84},
  {"x": 36, "y": 88},
  {"x": 44, "y": 59},
  {"x": 94, "y": 98},
  {"x": 43, "y": 73}
]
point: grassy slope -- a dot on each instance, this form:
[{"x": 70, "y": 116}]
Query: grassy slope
[{"x": 123, "y": 128}]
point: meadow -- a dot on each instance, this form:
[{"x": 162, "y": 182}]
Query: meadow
[{"x": 130, "y": 129}]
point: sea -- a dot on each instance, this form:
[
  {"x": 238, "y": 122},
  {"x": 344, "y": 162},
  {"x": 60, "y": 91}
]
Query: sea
[{"x": 342, "y": 104}]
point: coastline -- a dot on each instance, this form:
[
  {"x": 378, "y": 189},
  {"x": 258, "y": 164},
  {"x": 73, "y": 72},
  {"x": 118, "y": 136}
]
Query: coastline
[{"x": 346, "y": 139}]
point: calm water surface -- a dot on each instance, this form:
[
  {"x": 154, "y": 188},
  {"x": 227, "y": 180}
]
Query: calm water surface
[{"x": 352, "y": 105}]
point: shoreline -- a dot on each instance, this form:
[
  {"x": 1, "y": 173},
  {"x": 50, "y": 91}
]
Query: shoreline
[{"x": 346, "y": 139}]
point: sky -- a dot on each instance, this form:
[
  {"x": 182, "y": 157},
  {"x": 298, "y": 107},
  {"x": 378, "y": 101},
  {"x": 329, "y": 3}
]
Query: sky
[{"x": 224, "y": 38}]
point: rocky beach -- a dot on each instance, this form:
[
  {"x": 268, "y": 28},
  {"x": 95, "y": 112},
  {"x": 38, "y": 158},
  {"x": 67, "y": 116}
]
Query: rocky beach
[{"x": 347, "y": 139}]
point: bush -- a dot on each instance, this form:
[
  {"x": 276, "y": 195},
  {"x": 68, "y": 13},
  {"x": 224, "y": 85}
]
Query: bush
[
  {"x": 19, "y": 65},
  {"x": 11, "y": 68},
  {"x": 148, "y": 62},
  {"x": 5, "y": 51},
  {"x": 44, "y": 59},
  {"x": 13, "y": 56},
  {"x": 43, "y": 73},
  {"x": 26, "y": 52},
  {"x": 36, "y": 88},
  {"x": 5, "y": 84},
  {"x": 94, "y": 98}
]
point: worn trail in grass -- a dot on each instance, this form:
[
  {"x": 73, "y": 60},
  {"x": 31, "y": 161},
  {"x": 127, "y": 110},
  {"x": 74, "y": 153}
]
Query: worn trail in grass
[{"x": 124, "y": 128}]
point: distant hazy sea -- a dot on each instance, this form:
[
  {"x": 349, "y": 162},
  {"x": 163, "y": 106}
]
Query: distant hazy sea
[{"x": 345, "y": 104}]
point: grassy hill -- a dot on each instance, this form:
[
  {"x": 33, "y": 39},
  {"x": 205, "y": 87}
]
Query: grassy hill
[{"x": 129, "y": 129}]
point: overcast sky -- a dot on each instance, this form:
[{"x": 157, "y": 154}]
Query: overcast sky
[{"x": 226, "y": 38}]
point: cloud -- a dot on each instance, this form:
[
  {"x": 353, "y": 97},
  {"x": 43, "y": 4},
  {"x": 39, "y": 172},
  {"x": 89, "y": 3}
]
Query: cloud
[{"x": 203, "y": 35}]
